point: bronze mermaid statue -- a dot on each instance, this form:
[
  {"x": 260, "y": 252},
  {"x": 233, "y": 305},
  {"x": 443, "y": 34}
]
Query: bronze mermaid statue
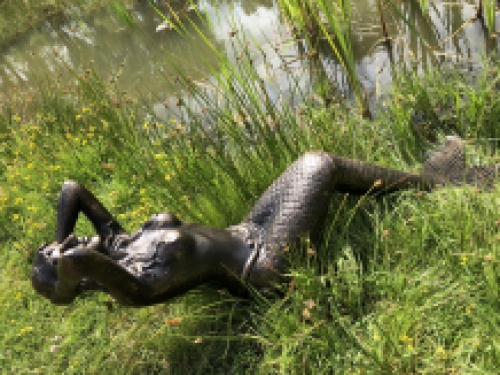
[{"x": 165, "y": 257}]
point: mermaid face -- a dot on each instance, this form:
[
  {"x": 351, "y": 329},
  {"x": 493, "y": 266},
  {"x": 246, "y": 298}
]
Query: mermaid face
[{"x": 44, "y": 272}]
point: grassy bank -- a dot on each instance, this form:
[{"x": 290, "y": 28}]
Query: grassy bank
[{"x": 404, "y": 284}]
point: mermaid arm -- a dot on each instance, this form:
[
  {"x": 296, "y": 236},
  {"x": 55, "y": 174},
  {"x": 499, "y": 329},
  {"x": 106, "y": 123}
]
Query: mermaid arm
[
  {"x": 75, "y": 198},
  {"x": 86, "y": 263}
]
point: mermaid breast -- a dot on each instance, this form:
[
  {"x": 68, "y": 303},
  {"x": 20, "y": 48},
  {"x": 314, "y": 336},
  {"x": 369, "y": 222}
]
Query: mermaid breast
[{"x": 148, "y": 256}]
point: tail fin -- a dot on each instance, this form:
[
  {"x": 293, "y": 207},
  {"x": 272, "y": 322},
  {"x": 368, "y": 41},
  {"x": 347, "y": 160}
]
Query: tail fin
[{"x": 447, "y": 163}]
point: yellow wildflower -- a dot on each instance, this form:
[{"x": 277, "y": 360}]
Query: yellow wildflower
[
  {"x": 464, "y": 260},
  {"x": 469, "y": 308},
  {"x": 25, "y": 329}
]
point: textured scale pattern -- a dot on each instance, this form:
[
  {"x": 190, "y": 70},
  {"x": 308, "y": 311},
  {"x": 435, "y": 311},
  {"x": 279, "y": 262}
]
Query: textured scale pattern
[
  {"x": 289, "y": 208},
  {"x": 448, "y": 165},
  {"x": 295, "y": 204}
]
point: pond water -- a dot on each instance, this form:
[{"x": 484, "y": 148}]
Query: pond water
[{"x": 143, "y": 54}]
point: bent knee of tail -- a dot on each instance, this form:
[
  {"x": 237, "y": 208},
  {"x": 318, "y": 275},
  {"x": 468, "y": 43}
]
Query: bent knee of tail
[{"x": 316, "y": 159}]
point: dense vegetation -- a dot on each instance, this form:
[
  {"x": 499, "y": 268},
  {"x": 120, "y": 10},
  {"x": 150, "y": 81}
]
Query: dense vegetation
[{"x": 404, "y": 284}]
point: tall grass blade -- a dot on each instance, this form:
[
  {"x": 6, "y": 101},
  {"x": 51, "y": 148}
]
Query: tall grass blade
[
  {"x": 399, "y": 15},
  {"x": 424, "y": 4},
  {"x": 330, "y": 21},
  {"x": 489, "y": 14}
]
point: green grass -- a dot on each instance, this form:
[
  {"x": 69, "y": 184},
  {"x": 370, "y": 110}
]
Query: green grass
[
  {"x": 404, "y": 284},
  {"x": 407, "y": 284}
]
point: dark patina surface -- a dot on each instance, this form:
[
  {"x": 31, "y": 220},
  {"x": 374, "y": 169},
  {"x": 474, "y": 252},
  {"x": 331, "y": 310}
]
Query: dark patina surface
[{"x": 165, "y": 257}]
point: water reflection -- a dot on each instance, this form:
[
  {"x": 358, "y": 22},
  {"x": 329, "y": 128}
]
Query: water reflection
[
  {"x": 254, "y": 30},
  {"x": 444, "y": 38},
  {"x": 103, "y": 39},
  {"x": 141, "y": 54}
]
